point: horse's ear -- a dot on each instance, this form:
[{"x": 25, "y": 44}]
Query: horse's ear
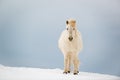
[{"x": 67, "y": 22}]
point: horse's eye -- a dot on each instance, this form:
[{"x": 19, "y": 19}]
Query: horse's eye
[
  {"x": 73, "y": 28},
  {"x": 67, "y": 28}
]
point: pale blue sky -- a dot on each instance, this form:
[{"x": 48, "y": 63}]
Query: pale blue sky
[{"x": 30, "y": 29}]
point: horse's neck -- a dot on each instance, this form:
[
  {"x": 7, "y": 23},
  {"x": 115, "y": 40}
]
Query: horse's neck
[{"x": 76, "y": 33}]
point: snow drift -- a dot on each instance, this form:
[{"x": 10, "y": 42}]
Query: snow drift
[{"x": 21, "y": 73}]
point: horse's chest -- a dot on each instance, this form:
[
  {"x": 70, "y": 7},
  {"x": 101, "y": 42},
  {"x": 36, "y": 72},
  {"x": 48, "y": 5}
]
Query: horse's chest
[{"x": 72, "y": 46}]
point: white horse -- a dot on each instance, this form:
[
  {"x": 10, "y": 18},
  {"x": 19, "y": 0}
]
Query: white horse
[{"x": 70, "y": 43}]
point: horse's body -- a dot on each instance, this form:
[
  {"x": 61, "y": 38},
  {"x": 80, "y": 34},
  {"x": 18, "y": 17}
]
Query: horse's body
[{"x": 70, "y": 43}]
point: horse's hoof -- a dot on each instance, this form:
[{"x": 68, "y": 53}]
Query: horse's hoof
[
  {"x": 75, "y": 73},
  {"x": 68, "y": 71},
  {"x": 64, "y": 72}
]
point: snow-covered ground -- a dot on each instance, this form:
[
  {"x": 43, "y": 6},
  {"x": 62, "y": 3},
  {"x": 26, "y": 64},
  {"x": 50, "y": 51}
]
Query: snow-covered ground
[{"x": 23, "y": 73}]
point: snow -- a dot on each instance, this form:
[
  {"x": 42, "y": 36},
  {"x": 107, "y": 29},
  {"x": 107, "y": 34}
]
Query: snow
[{"x": 26, "y": 73}]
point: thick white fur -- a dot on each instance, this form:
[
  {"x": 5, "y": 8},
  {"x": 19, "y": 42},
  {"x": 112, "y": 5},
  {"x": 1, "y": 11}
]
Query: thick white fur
[{"x": 70, "y": 49}]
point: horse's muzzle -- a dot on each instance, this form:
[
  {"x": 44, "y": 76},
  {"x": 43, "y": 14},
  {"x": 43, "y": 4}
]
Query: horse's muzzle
[{"x": 70, "y": 38}]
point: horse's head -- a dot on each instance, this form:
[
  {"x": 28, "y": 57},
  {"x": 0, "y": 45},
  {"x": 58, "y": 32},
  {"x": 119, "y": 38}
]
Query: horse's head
[{"x": 71, "y": 28}]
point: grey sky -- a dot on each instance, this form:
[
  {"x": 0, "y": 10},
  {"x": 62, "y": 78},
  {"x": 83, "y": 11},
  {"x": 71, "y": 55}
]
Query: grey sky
[{"x": 30, "y": 29}]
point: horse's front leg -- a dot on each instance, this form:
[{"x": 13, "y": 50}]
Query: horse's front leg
[
  {"x": 76, "y": 64},
  {"x": 66, "y": 60},
  {"x": 69, "y": 63}
]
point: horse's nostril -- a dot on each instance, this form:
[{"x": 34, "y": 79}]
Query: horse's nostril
[{"x": 70, "y": 38}]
